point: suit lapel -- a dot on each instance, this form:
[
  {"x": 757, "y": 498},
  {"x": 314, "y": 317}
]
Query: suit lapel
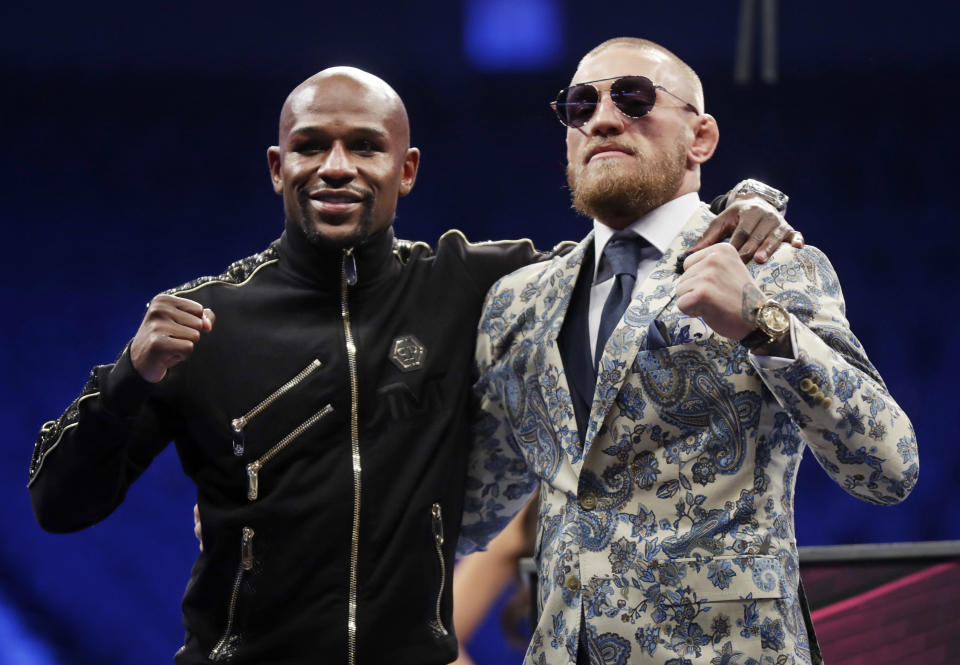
[
  {"x": 554, "y": 382},
  {"x": 574, "y": 343},
  {"x": 650, "y": 298}
]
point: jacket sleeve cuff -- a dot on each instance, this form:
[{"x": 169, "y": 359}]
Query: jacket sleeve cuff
[{"x": 123, "y": 390}]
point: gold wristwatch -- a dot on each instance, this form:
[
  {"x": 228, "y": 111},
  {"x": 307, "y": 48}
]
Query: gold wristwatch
[{"x": 773, "y": 322}]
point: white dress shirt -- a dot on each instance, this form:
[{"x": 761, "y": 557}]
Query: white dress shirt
[{"x": 658, "y": 227}]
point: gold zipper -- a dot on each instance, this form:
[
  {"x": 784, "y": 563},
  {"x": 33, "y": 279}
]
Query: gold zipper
[
  {"x": 237, "y": 424},
  {"x": 246, "y": 564},
  {"x": 253, "y": 469},
  {"x": 438, "y": 542},
  {"x": 349, "y": 278}
]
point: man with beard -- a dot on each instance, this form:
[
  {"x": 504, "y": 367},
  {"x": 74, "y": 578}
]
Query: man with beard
[
  {"x": 662, "y": 398},
  {"x": 318, "y": 395}
]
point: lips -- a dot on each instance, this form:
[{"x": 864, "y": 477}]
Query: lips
[
  {"x": 606, "y": 150},
  {"x": 336, "y": 196},
  {"x": 335, "y": 201}
]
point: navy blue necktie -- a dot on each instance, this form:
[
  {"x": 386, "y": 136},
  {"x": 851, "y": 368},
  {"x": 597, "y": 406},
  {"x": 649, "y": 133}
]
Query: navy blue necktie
[{"x": 621, "y": 256}]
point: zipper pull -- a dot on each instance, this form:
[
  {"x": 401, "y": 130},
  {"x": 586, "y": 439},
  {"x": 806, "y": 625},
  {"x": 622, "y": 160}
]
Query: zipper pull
[
  {"x": 349, "y": 267},
  {"x": 253, "y": 487},
  {"x": 246, "y": 549},
  {"x": 437, "y": 524},
  {"x": 237, "y": 424}
]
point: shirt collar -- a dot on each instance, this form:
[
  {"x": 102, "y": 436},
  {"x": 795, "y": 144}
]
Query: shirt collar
[{"x": 659, "y": 227}]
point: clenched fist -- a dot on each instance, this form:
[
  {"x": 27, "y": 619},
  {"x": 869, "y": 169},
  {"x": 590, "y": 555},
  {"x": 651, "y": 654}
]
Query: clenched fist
[
  {"x": 717, "y": 287},
  {"x": 169, "y": 330}
]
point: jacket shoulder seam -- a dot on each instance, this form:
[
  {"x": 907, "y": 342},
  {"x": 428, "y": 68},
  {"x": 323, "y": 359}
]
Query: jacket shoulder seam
[{"x": 237, "y": 274}]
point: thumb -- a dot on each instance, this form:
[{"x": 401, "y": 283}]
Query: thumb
[{"x": 208, "y": 318}]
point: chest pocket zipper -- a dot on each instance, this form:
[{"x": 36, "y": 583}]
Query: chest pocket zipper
[
  {"x": 225, "y": 647},
  {"x": 253, "y": 469},
  {"x": 437, "y": 515},
  {"x": 238, "y": 424}
]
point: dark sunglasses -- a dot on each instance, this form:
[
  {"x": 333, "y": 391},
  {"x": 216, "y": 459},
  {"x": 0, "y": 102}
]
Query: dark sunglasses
[{"x": 634, "y": 96}]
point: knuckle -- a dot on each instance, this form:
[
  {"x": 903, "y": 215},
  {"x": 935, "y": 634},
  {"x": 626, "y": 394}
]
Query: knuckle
[{"x": 752, "y": 205}]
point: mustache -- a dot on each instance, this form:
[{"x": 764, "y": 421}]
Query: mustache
[{"x": 607, "y": 143}]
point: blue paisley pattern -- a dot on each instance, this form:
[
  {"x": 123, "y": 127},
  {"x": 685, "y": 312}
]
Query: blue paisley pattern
[{"x": 686, "y": 553}]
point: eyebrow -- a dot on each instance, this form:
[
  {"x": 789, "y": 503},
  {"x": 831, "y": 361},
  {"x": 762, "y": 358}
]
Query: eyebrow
[{"x": 312, "y": 131}]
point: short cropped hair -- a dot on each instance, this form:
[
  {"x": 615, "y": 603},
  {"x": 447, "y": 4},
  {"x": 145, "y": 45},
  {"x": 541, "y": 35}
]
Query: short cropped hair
[{"x": 647, "y": 45}]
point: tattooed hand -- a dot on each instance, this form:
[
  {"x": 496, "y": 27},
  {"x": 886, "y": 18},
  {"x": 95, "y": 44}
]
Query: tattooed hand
[
  {"x": 718, "y": 288},
  {"x": 754, "y": 227}
]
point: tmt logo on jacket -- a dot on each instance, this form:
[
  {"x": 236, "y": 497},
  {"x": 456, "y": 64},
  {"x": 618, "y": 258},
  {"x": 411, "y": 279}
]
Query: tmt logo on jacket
[{"x": 670, "y": 525}]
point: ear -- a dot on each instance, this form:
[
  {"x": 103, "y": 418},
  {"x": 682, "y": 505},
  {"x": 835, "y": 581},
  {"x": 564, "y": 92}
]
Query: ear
[
  {"x": 706, "y": 135},
  {"x": 274, "y": 163},
  {"x": 411, "y": 162}
]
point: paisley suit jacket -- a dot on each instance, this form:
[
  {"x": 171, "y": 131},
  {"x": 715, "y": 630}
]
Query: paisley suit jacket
[{"x": 671, "y": 524}]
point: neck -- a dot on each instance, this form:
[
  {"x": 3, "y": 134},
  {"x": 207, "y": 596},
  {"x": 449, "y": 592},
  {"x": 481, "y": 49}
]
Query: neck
[{"x": 690, "y": 183}]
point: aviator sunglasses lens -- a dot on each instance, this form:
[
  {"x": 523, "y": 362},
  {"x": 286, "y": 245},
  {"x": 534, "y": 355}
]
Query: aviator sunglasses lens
[
  {"x": 575, "y": 105},
  {"x": 633, "y": 95}
]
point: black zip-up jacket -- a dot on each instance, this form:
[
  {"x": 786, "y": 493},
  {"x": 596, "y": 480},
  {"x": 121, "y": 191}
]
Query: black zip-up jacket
[{"x": 326, "y": 426}]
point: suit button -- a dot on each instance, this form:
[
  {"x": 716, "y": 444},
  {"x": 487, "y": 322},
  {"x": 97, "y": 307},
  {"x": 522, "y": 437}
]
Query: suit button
[
  {"x": 588, "y": 500},
  {"x": 572, "y": 583},
  {"x": 808, "y": 386},
  {"x": 825, "y": 402}
]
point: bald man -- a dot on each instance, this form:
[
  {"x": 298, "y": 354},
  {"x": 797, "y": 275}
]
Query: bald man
[
  {"x": 664, "y": 415},
  {"x": 318, "y": 395}
]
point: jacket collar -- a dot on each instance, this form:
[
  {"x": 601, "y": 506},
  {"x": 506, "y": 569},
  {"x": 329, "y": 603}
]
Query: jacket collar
[{"x": 323, "y": 266}]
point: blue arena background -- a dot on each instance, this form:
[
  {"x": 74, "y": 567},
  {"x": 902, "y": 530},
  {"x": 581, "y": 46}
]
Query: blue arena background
[{"x": 133, "y": 159}]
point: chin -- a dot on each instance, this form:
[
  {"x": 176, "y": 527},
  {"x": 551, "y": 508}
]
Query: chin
[{"x": 339, "y": 236}]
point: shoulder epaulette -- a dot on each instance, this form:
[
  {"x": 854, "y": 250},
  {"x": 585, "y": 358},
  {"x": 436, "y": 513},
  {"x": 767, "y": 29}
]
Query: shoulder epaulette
[
  {"x": 236, "y": 274},
  {"x": 403, "y": 248}
]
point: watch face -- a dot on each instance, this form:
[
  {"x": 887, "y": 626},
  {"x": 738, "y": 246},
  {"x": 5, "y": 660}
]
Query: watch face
[
  {"x": 774, "y": 197},
  {"x": 774, "y": 318}
]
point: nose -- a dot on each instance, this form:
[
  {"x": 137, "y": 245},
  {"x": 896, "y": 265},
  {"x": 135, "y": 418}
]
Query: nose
[
  {"x": 607, "y": 119},
  {"x": 337, "y": 169}
]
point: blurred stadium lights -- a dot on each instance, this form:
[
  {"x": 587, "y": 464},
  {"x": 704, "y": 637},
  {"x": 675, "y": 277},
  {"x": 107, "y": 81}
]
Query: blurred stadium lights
[
  {"x": 768, "y": 41},
  {"x": 503, "y": 35},
  {"x": 20, "y": 646}
]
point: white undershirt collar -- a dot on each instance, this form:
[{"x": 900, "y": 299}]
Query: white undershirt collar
[{"x": 659, "y": 227}]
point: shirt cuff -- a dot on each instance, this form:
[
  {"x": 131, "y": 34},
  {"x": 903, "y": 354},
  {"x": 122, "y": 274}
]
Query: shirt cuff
[{"x": 776, "y": 362}]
